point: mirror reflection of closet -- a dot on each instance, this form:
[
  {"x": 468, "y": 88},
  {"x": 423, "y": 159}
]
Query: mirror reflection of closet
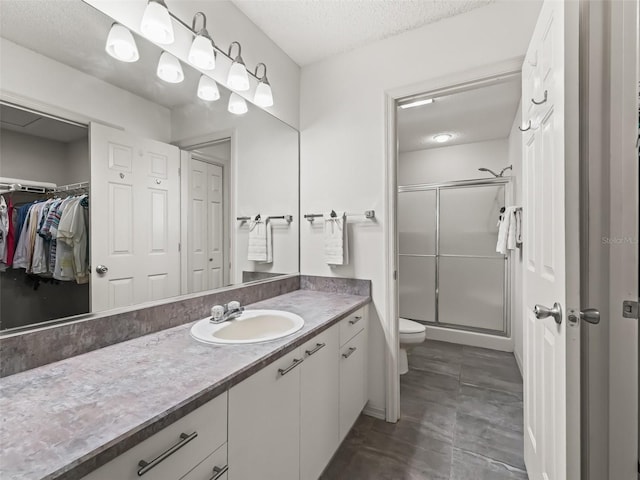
[{"x": 44, "y": 218}]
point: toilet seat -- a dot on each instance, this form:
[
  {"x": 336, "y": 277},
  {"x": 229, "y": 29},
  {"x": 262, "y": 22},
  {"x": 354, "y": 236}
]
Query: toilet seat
[{"x": 411, "y": 332}]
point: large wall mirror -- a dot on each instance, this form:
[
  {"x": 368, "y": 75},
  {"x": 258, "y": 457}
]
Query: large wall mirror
[{"x": 99, "y": 215}]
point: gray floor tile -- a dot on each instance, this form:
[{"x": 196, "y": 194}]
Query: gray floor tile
[
  {"x": 461, "y": 419},
  {"x": 467, "y": 465},
  {"x": 482, "y": 436}
]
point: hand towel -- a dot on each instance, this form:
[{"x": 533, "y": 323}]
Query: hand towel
[
  {"x": 507, "y": 233},
  {"x": 336, "y": 240},
  {"x": 260, "y": 241},
  {"x": 519, "y": 227}
]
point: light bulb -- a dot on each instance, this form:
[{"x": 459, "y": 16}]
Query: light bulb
[
  {"x": 208, "y": 89},
  {"x": 169, "y": 68},
  {"x": 121, "y": 44},
  {"x": 263, "y": 96},
  {"x": 443, "y": 137},
  {"x": 156, "y": 23},
  {"x": 201, "y": 53},
  {"x": 237, "y": 105},
  {"x": 238, "y": 78}
]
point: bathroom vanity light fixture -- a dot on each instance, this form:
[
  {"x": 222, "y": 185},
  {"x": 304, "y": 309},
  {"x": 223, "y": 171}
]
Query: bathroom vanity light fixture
[
  {"x": 208, "y": 89},
  {"x": 263, "y": 96},
  {"x": 417, "y": 103},
  {"x": 169, "y": 68},
  {"x": 443, "y": 137},
  {"x": 237, "y": 104},
  {"x": 201, "y": 53},
  {"x": 121, "y": 44},
  {"x": 156, "y": 23},
  {"x": 237, "y": 78}
]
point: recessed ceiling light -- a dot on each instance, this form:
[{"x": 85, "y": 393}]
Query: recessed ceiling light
[
  {"x": 417, "y": 103},
  {"x": 443, "y": 137}
]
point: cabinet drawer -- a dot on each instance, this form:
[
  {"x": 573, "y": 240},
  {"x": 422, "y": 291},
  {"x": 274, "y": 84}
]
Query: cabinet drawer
[
  {"x": 353, "y": 382},
  {"x": 175, "y": 450},
  {"x": 351, "y": 325},
  {"x": 214, "y": 467}
]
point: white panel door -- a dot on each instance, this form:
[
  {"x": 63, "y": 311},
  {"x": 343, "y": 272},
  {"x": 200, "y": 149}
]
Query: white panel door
[
  {"x": 205, "y": 256},
  {"x": 135, "y": 219},
  {"x": 551, "y": 274}
]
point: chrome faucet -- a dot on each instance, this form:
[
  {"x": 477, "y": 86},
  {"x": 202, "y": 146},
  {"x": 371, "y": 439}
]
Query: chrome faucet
[{"x": 228, "y": 311}]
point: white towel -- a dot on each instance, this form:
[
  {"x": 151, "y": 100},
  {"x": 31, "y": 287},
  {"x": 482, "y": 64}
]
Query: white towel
[
  {"x": 260, "y": 241},
  {"x": 509, "y": 231},
  {"x": 336, "y": 240}
]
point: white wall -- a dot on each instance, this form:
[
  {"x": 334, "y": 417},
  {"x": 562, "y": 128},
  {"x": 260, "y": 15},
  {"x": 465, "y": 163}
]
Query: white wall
[
  {"x": 33, "y": 80},
  {"x": 264, "y": 177},
  {"x": 225, "y": 23},
  {"x": 343, "y": 134},
  {"x": 454, "y": 162},
  {"x": 517, "y": 314},
  {"x": 34, "y": 158}
]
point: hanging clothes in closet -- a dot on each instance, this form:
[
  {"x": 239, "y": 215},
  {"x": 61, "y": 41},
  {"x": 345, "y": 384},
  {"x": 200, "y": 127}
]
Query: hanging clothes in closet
[{"x": 48, "y": 238}]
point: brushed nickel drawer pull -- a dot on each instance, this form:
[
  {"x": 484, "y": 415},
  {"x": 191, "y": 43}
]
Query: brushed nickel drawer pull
[
  {"x": 349, "y": 352},
  {"x": 284, "y": 371},
  {"x": 219, "y": 471},
  {"x": 355, "y": 320},
  {"x": 146, "y": 466},
  {"x": 318, "y": 346}
]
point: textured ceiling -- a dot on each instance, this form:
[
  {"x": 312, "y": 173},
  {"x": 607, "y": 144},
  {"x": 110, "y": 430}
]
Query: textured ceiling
[
  {"x": 476, "y": 115},
  {"x": 310, "y": 30}
]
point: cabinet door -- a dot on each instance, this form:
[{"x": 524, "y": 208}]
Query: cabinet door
[
  {"x": 319, "y": 407},
  {"x": 264, "y": 423},
  {"x": 353, "y": 382}
]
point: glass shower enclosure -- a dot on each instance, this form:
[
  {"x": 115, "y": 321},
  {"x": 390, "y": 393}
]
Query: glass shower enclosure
[{"x": 449, "y": 272}]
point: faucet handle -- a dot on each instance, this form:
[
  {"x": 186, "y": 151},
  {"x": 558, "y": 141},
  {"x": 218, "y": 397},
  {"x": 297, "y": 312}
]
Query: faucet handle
[
  {"x": 234, "y": 305},
  {"x": 217, "y": 312}
]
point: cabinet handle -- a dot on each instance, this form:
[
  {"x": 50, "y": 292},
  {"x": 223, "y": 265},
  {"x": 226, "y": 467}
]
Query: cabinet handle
[
  {"x": 296, "y": 362},
  {"x": 219, "y": 471},
  {"x": 318, "y": 346},
  {"x": 349, "y": 352},
  {"x": 544, "y": 99},
  {"x": 355, "y": 320},
  {"x": 146, "y": 466}
]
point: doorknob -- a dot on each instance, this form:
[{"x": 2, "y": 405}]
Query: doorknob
[
  {"x": 544, "y": 312},
  {"x": 101, "y": 269},
  {"x": 591, "y": 315}
]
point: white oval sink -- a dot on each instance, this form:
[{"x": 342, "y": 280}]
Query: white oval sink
[{"x": 253, "y": 326}]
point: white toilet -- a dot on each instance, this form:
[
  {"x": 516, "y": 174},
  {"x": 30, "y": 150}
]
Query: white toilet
[{"x": 411, "y": 333}]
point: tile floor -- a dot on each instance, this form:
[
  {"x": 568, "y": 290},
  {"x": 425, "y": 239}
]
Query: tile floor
[{"x": 461, "y": 419}]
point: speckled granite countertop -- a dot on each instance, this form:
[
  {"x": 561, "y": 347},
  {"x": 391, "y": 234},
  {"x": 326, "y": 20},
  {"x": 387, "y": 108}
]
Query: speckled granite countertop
[{"x": 65, "y": 419}]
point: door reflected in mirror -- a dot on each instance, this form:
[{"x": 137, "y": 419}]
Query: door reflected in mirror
[{"x": 165, "y": 193}]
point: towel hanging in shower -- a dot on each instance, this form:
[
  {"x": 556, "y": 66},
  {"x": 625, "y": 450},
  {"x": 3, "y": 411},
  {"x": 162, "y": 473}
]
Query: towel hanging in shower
[{"x": 509, "y": 233}]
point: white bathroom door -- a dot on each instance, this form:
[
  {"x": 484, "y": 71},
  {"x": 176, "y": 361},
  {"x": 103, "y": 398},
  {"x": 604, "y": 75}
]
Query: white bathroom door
[
  {"x": 551, "y": 246},
  {"x": 135, "y": 219},
  {"x": 216, "y": 226}
]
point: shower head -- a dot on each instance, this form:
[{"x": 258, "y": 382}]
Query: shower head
[{"x": 483, "y": 169}]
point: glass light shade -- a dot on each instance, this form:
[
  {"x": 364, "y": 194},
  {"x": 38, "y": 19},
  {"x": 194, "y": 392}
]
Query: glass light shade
[
  {"x": 201, "y": 53},
  {"x": 156, "y": 24},
  {"x": 263, "y": 96},
  {"x": 238, "y": 78},
  {"x": 169, "y": 68},
  {"x": 237, "y": 105},
  {"x": 121, "y": 44},
  {"x": 208, "y": 89}
]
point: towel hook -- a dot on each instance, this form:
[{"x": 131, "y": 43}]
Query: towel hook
[{"x": 528, "y": 127}]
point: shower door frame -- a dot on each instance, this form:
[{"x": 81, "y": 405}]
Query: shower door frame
[{"x": 506, "y": 304}]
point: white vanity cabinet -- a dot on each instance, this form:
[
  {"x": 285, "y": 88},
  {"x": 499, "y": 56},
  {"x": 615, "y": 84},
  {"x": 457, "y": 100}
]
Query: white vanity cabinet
[
  {"x": 353, "y": 371},
  {"x": 264, "y": 422},
  {"x": 176, "y": 450},
  {"x": 319, "y": 403}
]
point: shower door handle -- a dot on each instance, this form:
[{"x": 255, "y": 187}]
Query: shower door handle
[{"x": 543, "y": 312}]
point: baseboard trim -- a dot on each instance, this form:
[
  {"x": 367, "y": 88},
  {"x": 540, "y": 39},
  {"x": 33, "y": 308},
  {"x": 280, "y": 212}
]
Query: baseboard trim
[
  {"x": 375, "y": 412},
  {"x": 519, "y": 362},
  {"x": 473, "y": 339}
]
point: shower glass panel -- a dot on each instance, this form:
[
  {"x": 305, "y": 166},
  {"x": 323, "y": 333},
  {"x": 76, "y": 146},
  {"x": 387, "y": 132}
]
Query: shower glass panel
[
  {"x": 469, "y": 220},
  {"x": 449, "y": 272},
  {"x": 472, "y": 293},
  {"x": 417, "y": 288}
]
